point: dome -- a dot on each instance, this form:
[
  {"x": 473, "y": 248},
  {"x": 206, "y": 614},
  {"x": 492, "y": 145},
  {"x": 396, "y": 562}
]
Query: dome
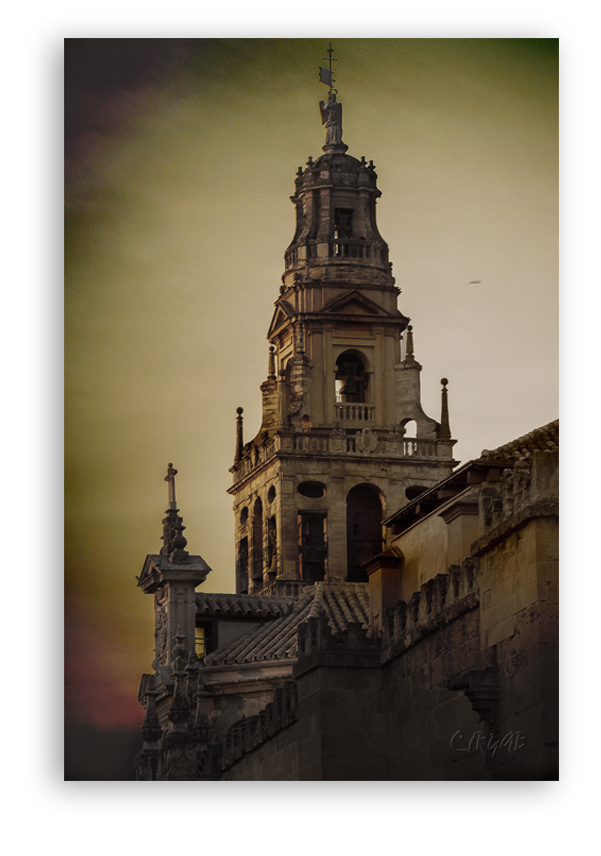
[{"x": 337, "y": 161}]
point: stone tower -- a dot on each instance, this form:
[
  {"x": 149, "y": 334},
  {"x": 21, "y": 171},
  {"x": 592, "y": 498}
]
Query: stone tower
[{"x": 344, "y": 439}]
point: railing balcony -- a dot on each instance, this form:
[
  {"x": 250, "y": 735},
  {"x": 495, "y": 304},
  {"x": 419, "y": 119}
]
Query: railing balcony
[
  {"x": 358, "y": 439},
  {"x": 354, "y": 412},
  {"x": 338, "y": 248}
]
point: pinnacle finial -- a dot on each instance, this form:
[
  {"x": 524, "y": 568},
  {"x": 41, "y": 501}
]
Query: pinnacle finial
[
  {"x": 174, "y": 543},
  {"x": 282, "y": 409},
  {"x": 151, "y": 730},
  {"x": 409, "y": 351},
  {"x": 271, "y": 370},
  {"x": 239, "y": 435},
  {"x": 444, "y": 432},
  {"x": 410, "y": 362}
]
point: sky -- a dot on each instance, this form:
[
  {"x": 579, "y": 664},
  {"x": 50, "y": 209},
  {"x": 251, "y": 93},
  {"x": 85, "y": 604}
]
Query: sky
[{"x": 180, "y": 160}]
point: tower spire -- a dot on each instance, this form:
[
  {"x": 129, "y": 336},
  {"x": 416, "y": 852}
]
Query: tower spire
[{"x": 337, "y": 382}]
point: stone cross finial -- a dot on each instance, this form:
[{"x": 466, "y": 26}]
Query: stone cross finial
[{"x": 170, "y": 477}]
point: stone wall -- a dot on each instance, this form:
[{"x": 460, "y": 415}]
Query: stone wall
[
  {"x": 443, "y": 696},
  {"x": 263, "y": 747},
  {"x": 274, "y": 760},
  {"x": 462, "y": 683}
]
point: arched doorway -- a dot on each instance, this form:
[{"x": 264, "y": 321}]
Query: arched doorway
[{"x": 363, "y": 529}]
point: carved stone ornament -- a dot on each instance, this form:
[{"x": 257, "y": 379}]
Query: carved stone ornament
[
  {"x": 366, "y": 440},
  {"x": 160, "y": 634},
  {"x": 338, "y": 441}
]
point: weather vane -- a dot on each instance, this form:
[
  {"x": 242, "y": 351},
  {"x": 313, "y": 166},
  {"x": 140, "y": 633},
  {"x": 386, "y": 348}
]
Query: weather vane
[
  {"x": 326, "y": 75},
  {"x": 331, "y": 110}
]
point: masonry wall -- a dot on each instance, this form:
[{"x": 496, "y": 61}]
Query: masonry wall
[
  {"x": 342, "y": 727},
  {"x": 463, "y": 683},
  {"x": 520, "y": 606},
  {"x": 429, "y": 726},
  {"x": 275, "y": 760}
]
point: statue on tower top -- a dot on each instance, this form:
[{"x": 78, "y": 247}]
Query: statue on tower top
[
  {"x": 331, "y": 110},
  {"x": 331, "y": 116}
]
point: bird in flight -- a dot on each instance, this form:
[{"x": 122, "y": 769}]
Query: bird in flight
[{"x": 475, "y": 282}]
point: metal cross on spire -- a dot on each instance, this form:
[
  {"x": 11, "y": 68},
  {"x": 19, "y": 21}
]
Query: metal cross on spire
[
  {"x": 326, "y": 75},
  {"x": 170, "y": 477}
]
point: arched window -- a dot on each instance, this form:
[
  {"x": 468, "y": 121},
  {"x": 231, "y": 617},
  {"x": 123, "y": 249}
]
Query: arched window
[
  {"x": 271, "y": 544},
  {"x": 351, "y": 378},
  {"x": 257, "y": 556},
  {"x": 243, "y": 565},
  {"x": 363, "y": 530},
  {"x": 312, "y": 546}
]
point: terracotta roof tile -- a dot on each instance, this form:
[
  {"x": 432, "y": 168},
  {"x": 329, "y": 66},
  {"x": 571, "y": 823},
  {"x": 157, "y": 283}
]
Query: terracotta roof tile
[
  {"x": 541, "y": 439},
  {"x": 241, "y": 605},
  {"x": 342, "y": 603}
]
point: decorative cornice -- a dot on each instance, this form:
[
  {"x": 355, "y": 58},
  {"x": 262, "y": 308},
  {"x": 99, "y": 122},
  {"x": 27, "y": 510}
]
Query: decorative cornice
[{"x": 159, "y": 570}]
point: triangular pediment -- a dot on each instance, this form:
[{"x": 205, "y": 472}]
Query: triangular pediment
[
  {"x": 283, "y": 313},
  {"x": 353, "y": 303}
]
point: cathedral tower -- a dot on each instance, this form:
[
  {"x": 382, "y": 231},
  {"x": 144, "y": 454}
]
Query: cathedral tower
[{"x": 344, "y": 439}]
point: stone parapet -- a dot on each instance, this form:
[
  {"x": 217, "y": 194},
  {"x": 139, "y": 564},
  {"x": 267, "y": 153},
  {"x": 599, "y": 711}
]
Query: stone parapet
[
  {"x": 323, "y": 443},
  {"x": 251, "y": 732},
  {"x": 318, "y": 646},
  {"x": 528, "y": 490},
  {"x": 439, "y": 602}
]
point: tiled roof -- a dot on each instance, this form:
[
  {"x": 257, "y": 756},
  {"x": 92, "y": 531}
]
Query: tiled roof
[
  {"x": 541, "y": 439},
  {"x": 242, "y": 605},
  {"x": 342, "y": 603}
]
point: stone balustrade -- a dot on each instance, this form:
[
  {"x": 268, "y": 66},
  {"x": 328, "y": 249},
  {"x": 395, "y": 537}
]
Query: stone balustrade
[
  {"x": 338, "y": 441},
  {"x": 351, "y": 249},
  {"x": 354, "y": 412}
]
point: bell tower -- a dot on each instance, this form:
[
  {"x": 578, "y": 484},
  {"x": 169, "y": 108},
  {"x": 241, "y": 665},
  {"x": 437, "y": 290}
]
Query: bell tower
[{"x": 344, "y": 439}]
